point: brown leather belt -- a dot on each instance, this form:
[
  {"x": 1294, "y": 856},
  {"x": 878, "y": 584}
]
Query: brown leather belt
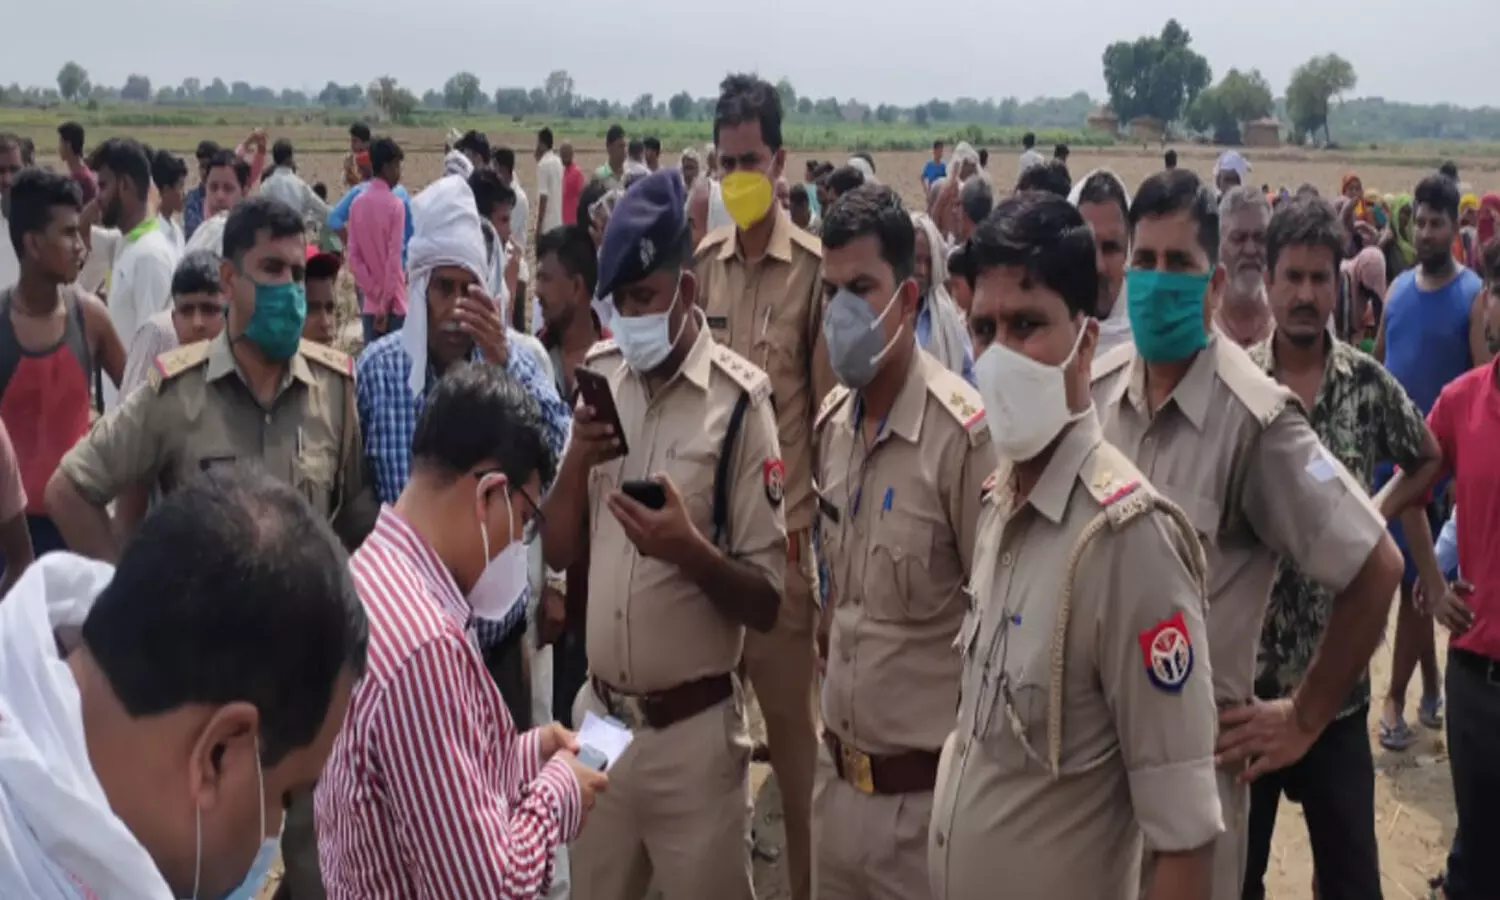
[
  {"x": 912, "y": 772},
  {"x": 794, "y": 546},
  {"x": 663, "y": 709}
]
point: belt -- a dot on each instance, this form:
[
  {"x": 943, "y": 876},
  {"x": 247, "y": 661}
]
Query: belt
[
  {"x": 663, "y": 709},
  {"x": 912, "y": 772},
  {"x": 1486, "y": 668},
  {"x": 794, "y": 543}
]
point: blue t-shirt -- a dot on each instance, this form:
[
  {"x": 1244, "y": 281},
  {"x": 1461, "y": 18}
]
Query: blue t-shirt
[
  {"x": 934, "y": 170},
  {"x": 1427, "y": 334}
]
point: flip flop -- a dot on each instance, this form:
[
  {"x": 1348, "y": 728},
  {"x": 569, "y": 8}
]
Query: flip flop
[
  {"x": 1398, "y": 736},
  {"x": 1430, "y": 712}
]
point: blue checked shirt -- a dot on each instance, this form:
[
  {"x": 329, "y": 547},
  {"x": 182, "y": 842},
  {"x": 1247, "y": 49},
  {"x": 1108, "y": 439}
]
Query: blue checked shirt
[
  {"x": 388, "y": 420},
  {"x": 192, "y": 212}
]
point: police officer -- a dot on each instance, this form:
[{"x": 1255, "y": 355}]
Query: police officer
[
  {"x": 681, "y": 515},
  {"x": 760, "y": 286},
  {"x": 1234, "y": 450},
  {"x": 256, "y": 392},
  {"x": 1086, "y": 717},
  {"x": 903, "y": 452}
]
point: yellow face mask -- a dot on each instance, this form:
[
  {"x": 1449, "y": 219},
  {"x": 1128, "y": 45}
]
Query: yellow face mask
[{"x": 748, "y": 196}]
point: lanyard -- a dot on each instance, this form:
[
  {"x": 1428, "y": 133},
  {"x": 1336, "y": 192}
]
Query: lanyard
[
  {"x": 869, "y": 452},
  {"x": 148, "y": 225}
]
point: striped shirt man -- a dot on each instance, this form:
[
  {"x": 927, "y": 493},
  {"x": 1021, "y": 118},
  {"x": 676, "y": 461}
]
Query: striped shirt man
[{"x": 429, "y": 792}]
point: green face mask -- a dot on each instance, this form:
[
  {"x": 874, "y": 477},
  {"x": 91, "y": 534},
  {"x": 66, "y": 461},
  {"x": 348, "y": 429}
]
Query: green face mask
[
  {"x": 1166, "y": 313},
  {"x": 276, "y": 325}
]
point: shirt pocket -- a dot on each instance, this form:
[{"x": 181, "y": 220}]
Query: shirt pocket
[
  {"x": 693, "y": 471},
  {"x": 897, "y": 584},
  {"x": 315, "y": 475},
  {"x": 1203, "y": 512},
  {"x": 1013, "y": 729}
]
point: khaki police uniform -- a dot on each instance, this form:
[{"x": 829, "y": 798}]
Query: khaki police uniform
[
  {"x": 662, "y": 657},
  {"x": 1086, "y": 716},
  {"x": 770, "y": 311},
  {"x": 1234, "y": 450},
  {"x": 898, "y": 530},
  {"x": 196, "y": 413}
]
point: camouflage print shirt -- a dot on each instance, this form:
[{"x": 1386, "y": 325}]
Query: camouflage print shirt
[{"x": 1363, "y": 416}]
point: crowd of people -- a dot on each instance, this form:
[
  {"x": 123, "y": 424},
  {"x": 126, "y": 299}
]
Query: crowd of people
[{"x": 1132, "y": 458}]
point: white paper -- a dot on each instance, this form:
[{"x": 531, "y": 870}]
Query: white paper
[{"x": 606, "y": 735}]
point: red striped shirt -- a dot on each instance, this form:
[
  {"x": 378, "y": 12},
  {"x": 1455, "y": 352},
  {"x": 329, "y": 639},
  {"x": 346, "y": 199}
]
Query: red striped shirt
[{"x": 430, "y": 792}]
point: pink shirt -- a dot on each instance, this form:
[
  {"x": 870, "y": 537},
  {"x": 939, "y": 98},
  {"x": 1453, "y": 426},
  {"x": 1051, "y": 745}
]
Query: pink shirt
[
  {"x": 1466, "y": 422},
  {"x": 377, "y": 230}
]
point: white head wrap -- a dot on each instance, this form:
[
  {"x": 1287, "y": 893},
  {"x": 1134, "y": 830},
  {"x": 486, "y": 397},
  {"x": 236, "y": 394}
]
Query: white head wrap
[
  {"x": 1231, "y": 161},
  {"x": 962, "y": 153},
  {"x": 1115, "y": 329},
  {"x": 456, "y": 163},
  {"x": 949, "y": 338},
  {"x": 445, "y": 232},
  {"x": 690, "y": 154},
  {"x": 858, "y": 162}
]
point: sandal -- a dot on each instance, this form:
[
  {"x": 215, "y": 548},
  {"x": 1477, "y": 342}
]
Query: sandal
[
  {"x": 1398, "y": 736},
  {"x": 1430, "y": 712}
]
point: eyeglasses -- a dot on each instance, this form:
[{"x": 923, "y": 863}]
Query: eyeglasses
[{"x": 535, "y": 521}]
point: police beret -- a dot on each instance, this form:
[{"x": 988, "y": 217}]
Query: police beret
[{"x": 644, "y": 231}]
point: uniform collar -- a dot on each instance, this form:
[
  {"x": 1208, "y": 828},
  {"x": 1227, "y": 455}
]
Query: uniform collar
[
  {"x": 905, "y": 417},
  {"x": 221, "y": 362},
  {"x": 1191, "y": 394},
  {"x": 780, "y": 245},
  {"x": 1052, "y": 491}
]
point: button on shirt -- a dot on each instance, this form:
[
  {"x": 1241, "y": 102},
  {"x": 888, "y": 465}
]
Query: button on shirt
[
  {"x": 650, "y": 627},
  {"x": 377, "y": 225},
  {"x": 898, "y": 530},
  {"x": 1136, "y": 757},
  {"x": 430, "y": 792},
  {"x": 1233, "y": 449}
]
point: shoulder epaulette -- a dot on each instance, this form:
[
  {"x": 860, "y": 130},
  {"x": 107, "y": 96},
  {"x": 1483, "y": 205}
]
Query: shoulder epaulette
[
  {"x": 325, "y": 355},
  {"x": 1113, "y": 361},
  {"x": 751, "y": 379},
  {"x": 712, "y": 242},
  {"x": 173, "y": 363},
  {"x": 1116, "y": 485},
  {"x": 830, "y": 404},
  {"x": 960, "y": 400},
  {"x": 807, "y": 241},
  {"x": 1264, "y": 398},
  {"x": 601, "y": 349}
]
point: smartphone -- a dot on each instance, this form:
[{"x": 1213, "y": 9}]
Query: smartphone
[
  {"x": 595, "y": 390},
  {"x": 649, "y": 494},
  {"x": 592, "y": 758}
]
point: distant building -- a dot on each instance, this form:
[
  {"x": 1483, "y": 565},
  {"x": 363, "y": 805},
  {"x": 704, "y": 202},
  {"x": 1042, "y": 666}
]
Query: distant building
[
  {"x": 1262, "y": 133},
  {"x": 1103, "y": 120},
  {"x": 1148, "y": 129}
]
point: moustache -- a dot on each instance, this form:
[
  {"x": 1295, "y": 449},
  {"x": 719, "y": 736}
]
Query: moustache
[{"x": 1303, "y": 309}]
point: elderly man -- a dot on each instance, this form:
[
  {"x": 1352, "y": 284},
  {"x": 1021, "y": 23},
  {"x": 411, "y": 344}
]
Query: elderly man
[{"x": 1244, "y": 315}]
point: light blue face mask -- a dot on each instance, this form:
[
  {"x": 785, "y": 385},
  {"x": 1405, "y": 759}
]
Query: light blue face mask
[{"x": 265, "y": 857}]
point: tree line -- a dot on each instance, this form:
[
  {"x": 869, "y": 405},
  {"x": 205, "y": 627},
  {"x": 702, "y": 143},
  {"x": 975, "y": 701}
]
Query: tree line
[{"x": 1158, "y": 76}]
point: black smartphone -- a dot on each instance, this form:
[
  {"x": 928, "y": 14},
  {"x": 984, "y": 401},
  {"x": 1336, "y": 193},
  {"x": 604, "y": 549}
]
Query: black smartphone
[
  {"x": 649, "y": 494},
  {"x": 595, "y": 391}
]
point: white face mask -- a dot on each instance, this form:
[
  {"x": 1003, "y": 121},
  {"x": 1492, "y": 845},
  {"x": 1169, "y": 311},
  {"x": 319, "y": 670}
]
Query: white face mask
[
  {"x": 1026, "y": 402},
  {"x": 647, "y": 341},
  {"x": 265, "y": 857},
  {"x": 504, "y": 577}
]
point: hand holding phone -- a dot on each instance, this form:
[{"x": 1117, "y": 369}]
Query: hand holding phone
[
  {"x": 649, "y": 494},
  {"x": 597, "y": 394}
]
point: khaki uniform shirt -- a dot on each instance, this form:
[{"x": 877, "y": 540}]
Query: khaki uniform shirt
[
  {"x": 650, "y": 627},
  {"x": 197, "y": 412},
  {"x": 898, "y": 530},
  {"x": 1233, "y": 449},
  {"x": 1137, "y": 718},
  {"x": 770, "y": 311}
]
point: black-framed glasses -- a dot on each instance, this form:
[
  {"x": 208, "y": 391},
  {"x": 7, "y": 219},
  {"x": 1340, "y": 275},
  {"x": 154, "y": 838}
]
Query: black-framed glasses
[{"x": 534, "y": 523}]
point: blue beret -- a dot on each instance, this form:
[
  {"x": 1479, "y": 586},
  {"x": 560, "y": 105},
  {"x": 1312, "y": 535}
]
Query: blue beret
[{"x": 644, "y": 231}]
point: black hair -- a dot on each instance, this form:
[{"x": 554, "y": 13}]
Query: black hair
[
  {"x": 1305, "y": 222},
  {"x": 984, "y": 157},
  {"x": 167, "y": 170},
  {"x": 28, "y": 152},
  {"x": 476, "y": 414},
  {"x": 544, "y": 137},
  {"x": 575, "y": 252},
  {"x": 798, "y": 195},
  {"x": 938, "y": 144},
  {"x": 874, "y": 209},
  {"x": 1044, "y": 234},
  {"x": 1449, "y": 168},
  {"x": 490, "y": 191},
  {"x": 361, "y": 131},
  {"x": 505, "y": 158},
  {"x": 323, "y": 267},
  {"x": 1061, "y": 152},
  {"x": 845, "y": 179},
  {"x": 383, "y": 152},
  {"x": 977, "y": 200},
  {"x": 1028, "y": 140},
  {"x": 72, "y": 135},
  {"x": 281, "y": 152},
  {"x": 207, "y": 150},
  {"x": 227, "y": 159},
  {"x": 1180, "y": 190},
  {"x": 474, "y": 142},
  {"x": 615, "y": 133},
  {"x": 232, "y": 590},
  {"x": 197, "y": 273},
  {"x": 1051, "y": 176},
  {"x": 124, "y": 158},
  {"x": 591, "y": 194},
  {"x": 652, "y": 144},
  {"x": 33, "y": 196},
  {"x": 1170, "y": 158},
  {"x": 1439, "y": 192},
  {"x": 1102, "y": 187},
  {"x": 252, "y": 216},
  {"x": 635, "y": 148},
  {"x": 746, "y": 98},
  {"x": 321, "y": 190}
]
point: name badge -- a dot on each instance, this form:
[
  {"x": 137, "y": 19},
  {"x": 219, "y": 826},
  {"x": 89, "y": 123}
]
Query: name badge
[{"x": 718, "y": 322}]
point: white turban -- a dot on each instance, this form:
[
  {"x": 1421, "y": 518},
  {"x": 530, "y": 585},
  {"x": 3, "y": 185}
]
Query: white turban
[
  {"x": 865, "y": 169},
  {"x": 1115, "y": 329},
  {"x": 456, "y": 163},
  {"x": 1230, "y": 161},
  {"x": 949, "y": 338},
  {"x": 445, "y": 232}
]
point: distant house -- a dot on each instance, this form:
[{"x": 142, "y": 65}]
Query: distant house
[
  {"x": 1262, "y": 133},
  {"x": 1148, "y": 129},
  {"x": 1103, "y": 120}
]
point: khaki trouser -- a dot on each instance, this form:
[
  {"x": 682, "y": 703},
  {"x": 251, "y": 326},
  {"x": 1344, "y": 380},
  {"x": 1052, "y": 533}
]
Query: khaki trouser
[
  {"x": 781, "y": 664},
  {"x": 676, "y": 813},
  {"x": 868, "y": 846}
]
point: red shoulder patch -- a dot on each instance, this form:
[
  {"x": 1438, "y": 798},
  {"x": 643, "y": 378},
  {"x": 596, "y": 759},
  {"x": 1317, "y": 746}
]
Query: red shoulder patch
[
  {"x": 1168, "y": 653},
  {"x": 773, "y": 473}
]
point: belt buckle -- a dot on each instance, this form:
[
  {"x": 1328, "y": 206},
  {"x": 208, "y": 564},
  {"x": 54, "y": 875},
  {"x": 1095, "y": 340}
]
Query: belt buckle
[
  {"x": 857, "y": 769},
  {"x": 631, "y": 711}
]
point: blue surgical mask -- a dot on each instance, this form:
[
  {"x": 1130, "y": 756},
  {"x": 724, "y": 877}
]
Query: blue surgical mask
[
  {"x": 646, "y": 341},
  {"x": 276, "y": 325},
  {"x": 1166, "y": 313},
  {"x": 265, "y": 857}
]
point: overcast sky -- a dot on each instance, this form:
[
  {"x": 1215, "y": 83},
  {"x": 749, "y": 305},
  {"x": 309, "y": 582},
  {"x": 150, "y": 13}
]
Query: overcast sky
[{"x": 898, "y": 52}]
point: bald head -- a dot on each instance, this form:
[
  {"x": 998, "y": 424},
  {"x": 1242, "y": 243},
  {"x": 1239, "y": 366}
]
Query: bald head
[
  {"x": 565, "y": 152},
  {"x": 697, "y": 209}
]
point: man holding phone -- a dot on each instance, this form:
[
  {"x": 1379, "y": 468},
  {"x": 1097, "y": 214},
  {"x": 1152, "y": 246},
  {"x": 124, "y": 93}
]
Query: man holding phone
[{"x": 671, "y": 589}]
